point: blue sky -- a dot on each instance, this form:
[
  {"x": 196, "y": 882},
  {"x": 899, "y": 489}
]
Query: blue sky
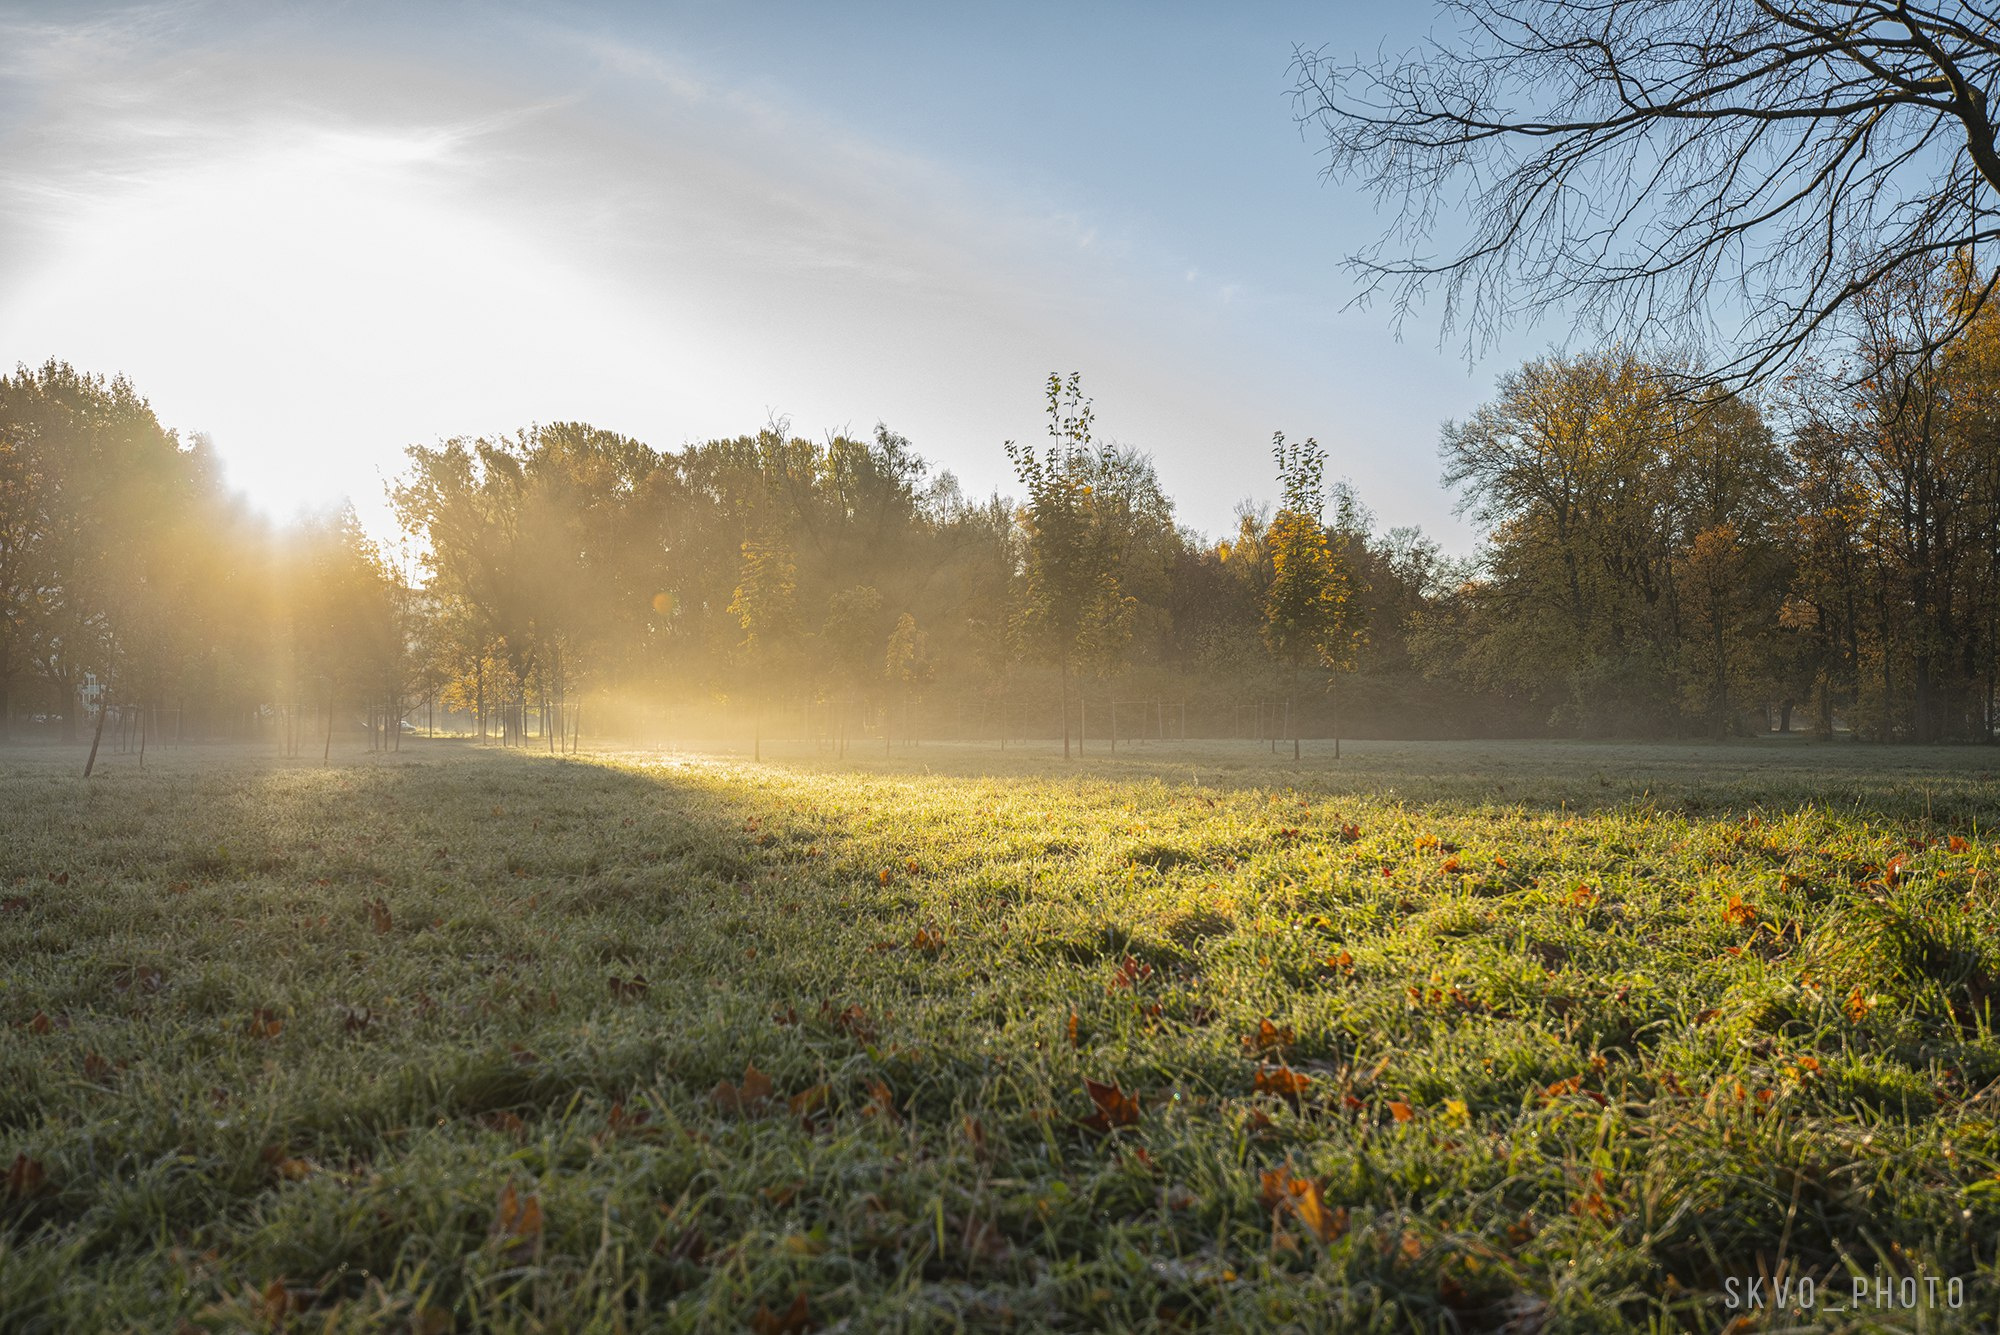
[{"x": 323, "y": 232}]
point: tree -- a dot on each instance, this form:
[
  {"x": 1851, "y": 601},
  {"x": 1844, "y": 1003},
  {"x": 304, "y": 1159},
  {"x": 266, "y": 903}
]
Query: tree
[
  {"x": 1625, "y": 156},
  {"x": 1073, "y": 609},
  {"x": 907, "y": 664},
  {"x": 1306, "y": 613}
]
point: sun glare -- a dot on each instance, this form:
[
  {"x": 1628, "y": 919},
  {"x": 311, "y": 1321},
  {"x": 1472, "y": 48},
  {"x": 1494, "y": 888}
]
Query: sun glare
[{"x": 319, "y": 296}]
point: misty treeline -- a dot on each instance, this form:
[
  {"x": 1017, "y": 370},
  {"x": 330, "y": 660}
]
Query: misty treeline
[{"x": 1658, "y": 560}]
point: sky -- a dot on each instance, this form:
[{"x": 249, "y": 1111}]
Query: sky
[{"x": 322, "y": 232}]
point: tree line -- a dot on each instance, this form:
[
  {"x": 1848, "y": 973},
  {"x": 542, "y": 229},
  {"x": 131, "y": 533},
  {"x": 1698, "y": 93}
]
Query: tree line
[{"x": 1661, "y": 555}]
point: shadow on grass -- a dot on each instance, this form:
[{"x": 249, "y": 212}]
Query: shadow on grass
[{"x": 744, "y": 1031}]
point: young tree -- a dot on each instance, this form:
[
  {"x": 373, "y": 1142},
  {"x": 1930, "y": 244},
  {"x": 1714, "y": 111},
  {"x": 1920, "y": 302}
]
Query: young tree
[
  {"x": 1072, "y": 609},
  {"x": 1306, "y": 612}
]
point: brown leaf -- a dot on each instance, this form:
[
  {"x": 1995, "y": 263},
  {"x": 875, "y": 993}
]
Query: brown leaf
[
  {"x": 745, "y": 1099},
  {"x": 1115, "y": 1107},
  {"x": 628, "y": 989},
  {"x": 264, "y": 1023},
  {"x": 14, "y": 904},
  {"x": 96, "y": 1068},
  {"x": 1130, "y": 974},
  {"x": 517, "y": 1222},
  {"x": 808, "y": 1101},
  {"x": 1269, "y": 1038},
  {"x": 506, "y": 1123},
  {"x": 927, "y": 941},
  {"x": 1281, "y": 1081},
  {"x": 1739, "y": 913},
  {"x": 25, "y": 1177},
  {"x": 1400, "y": 1111},
  {"x": 60, "y": 878},
  {"x": 881, "y": 1103},
  {"x": 379, "y": 917},
  {"x": 39, "y": 1023},
  {"x": 794, "y": 1320},
  {"x": 139, "y": 978}
]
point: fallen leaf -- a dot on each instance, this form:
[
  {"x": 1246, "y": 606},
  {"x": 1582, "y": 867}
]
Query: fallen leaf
[
  {"x": 1279, "y": 1192},
  {"x": 379, "y": 917},
  {"x": 1115, "y": 1108},
  {"x": 25, "y": 1178},
  {"x": 1281, "y": 1081},
  {"x": 1400, "y": 1111},
  {"x": 517, "y": 1223},
  {"x": 881, "y": 1103},
  {"x": 264, "y": 1023},
  {"x": 1738, "y": 912},
  {"x": 628, "y": 989},
  {"x": 1269, "y": 1038},
  {"x": 745, "y": 1098},
  {"x": 794, "y": 1320}
]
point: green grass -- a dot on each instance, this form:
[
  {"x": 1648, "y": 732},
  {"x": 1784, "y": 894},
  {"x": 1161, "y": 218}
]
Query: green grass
[{"x": 361, "y": 1047}]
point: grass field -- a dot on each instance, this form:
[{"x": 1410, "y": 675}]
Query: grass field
[{"x": 1525, "y": 1037}]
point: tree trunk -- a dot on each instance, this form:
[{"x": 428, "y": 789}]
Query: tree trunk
[
  {"x": 1065, "y": 707},
  {"x": 103, "y": 708}
]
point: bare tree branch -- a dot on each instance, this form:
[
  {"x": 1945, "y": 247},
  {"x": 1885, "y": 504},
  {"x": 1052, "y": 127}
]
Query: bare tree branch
[{"x": 1665, "y": 168}]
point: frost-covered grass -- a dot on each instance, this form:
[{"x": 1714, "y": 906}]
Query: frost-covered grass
[{"x": 1433, "y": 1037}]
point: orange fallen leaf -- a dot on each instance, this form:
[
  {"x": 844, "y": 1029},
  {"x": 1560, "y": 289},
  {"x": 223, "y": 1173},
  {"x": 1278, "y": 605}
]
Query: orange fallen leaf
[
  {"x": 517, "y": 1223},
  {"x": 1282, "y": 1081},
  {"x": 881, "y": 1103},
  {"x": 1280, "y": 1191},
  {"x": 1400, "y": 1111},
  {"x": 1739, "y": 913},
  {"x": 1857, "y": 1005},
  {"x": 1269, "y": 1038},
  {"x": 1115, "y": 1108},
  {"x": 264, "y": 1023}
]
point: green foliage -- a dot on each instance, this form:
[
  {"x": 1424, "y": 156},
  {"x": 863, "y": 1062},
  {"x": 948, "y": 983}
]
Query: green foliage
[{"x": 1072, "y": 609}]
